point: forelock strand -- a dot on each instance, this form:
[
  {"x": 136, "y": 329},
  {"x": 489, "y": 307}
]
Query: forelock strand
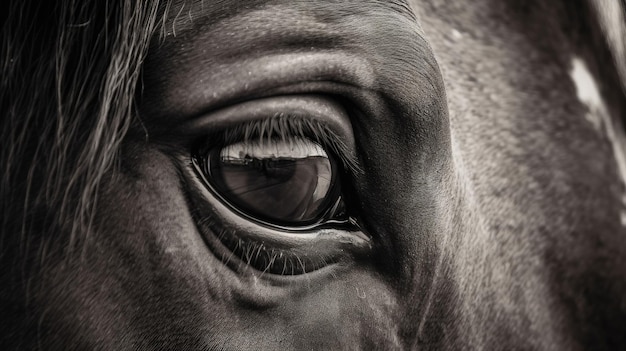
[{"x": 69, "y": 75}]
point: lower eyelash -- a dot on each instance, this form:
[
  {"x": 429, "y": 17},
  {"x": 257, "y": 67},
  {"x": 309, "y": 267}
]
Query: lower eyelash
[{"x": 270, "y": 260}]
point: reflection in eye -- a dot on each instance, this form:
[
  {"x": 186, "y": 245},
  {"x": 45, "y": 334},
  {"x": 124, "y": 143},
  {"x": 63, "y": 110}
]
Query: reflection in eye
[
  {"x": 278, "y": 180},
  {"x": 285, "y": 181}
]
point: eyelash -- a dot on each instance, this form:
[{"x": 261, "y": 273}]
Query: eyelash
[{"x": 282, "y": 128}]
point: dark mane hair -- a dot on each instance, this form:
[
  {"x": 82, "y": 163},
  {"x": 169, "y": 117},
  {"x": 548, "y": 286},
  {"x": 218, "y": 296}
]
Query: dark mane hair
[
  {"x": 70, "y": 70},
  {"x": 69, "y": 75}
]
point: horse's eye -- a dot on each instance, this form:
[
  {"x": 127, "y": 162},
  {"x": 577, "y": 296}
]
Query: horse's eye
[
  {"x": 279, "y": 182},
  {"x": 275, "y": 196}
]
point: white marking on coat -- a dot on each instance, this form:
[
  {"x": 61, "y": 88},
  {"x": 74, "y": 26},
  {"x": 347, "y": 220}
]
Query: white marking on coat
[
  {"x": 598, "y": 115},
  {"x": 456, "y": 34}
]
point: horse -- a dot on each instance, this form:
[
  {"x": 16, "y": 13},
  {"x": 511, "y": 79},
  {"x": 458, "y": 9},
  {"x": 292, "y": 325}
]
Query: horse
[{"x": 269, "y": 174}]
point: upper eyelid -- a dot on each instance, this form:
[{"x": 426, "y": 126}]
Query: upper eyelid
[{"x": 323, "y": 115}]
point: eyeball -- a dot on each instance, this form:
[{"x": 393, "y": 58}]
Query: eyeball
[{"x": 286, "y": 181}]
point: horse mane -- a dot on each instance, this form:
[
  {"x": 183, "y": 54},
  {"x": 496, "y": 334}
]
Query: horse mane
[{"x": 69, "y": 77}]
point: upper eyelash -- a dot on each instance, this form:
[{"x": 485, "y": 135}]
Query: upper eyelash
[{"x": 285, "y": 127}]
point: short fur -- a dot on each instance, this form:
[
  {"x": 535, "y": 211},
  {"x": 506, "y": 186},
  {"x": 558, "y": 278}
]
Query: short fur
[{"x": 493, "y": 205}]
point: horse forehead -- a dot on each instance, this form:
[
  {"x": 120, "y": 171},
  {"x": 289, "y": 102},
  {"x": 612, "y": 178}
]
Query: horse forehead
[
  {"x": 219, "y": 28},
  {"x": 371, "y": 44}
]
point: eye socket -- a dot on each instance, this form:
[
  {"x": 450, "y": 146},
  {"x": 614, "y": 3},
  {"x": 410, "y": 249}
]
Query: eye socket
[
  {"x": 283, "y": 182},
  {"x": 285, "y": 177}
]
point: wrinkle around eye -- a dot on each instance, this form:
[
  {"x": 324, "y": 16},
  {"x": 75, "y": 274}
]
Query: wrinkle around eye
[
  {"x": 186, "y": 90},
  {"x": 315, "y": 107}
]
